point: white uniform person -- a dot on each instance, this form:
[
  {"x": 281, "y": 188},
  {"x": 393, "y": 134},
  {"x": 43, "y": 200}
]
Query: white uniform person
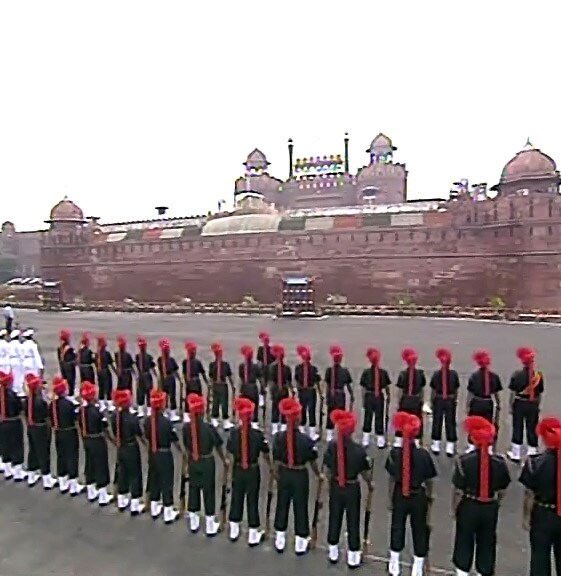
[
  {"x": 16, "y": 363},
  {"x": 4, "y": 352},
  {"x": 32, "y": 361}
]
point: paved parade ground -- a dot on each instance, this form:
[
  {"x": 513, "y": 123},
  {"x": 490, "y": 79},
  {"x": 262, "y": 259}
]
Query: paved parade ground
[{"x": 47, "y": 533}]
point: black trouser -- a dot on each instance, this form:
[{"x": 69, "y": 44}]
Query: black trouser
[
  {"x": 374, "y": 408},
  {"x": 87, "y": 373},
  {"x": 337, "y": 400},
  {"x": 344, "y": 501},
  {"x": 124, "y": 379},
  {"x": 414, "y": 508},
  {"x": 143, "y": 388},
  {"x": 444, "y": 412},
  {"x": 169, "y": 386},
  {"x": 412, "y": 405},
  {"x": 67, "y": 447},
  {"x": 11, "y": 437},
  {"x": 105, "y": 384},
  {"x": 484, "y": 407},
  {"x": 129, "y": 470},
  {"x": 545, "y": 536},
  {"x": 245, "y": 488},
  {"x": 9, "y": 324},
  {"x": 39, "y": 448},
  {"x": 525, "y": 413},
  {"x": 308, "y": 400},
  {"x": 202, "y": 478},
  {"x": 96, "y": 468},
  {"x": 293, "y": 486},
  {"x": 219, "y": 400},
  {"x": 277, "y": 394},
  {"x": 68, "y": 372},
  {"x": 476, "y": 533},
  {"x": 161, "y": 476},
  {"x": 251, "y": 392}
]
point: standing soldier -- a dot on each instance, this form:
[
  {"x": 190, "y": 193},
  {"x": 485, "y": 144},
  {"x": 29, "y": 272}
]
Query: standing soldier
[
  {"x": 67, "y": 361},
  {"x": 444, "y": 385},
  {"x": 168, "y": 372},
  {"x": 526, "y": 388},
  {"x": 93, "y": 427},
  {"x": 308, "y": 381},
  {"x": 265, "y": 358},
  {"x": 337, "y": 379},
  {"x": 280, "y": 382},
  {"x": 126, "y": 432},
  {"x": 345, "y": 461},
  {"x": 16, "y": 363},
  {"x": 411, "y": 471},
  {"x": 104, "y": 367},
  {"x": 411, "y": 383},
  {"x": 220, "y": 375},
  {"x": 292, "y": 451},
  {"x": 4, "y": 352},
  {"x": 124, "y": 365},
  {"x": 63, "y": 418},
  {"x": 245, "y": 444},
  {"x": 249, "y": 374},
  {"x": 146, "y": 366},
  {"x": 38, "y": 434},
  {"x": 483, "y": 387},
  {"x": 200, "y": 439},
  {"x": 160, "y": 434},
  {"x": 32, "y": 361},
  {"x": 11, "y": 429},
  {"x": 375, "y": 383},
  {"x": 541, "y": 477},
  {"x": 193, "y": 371},
  {"x": 479, "y": 480},
  {"x": 86, "y": 360}
]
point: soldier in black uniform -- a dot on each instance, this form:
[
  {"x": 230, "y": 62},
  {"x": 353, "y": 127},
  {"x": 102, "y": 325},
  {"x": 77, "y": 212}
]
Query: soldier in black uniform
[
  {"x": 67, "y": 361},
  {"x": 244, "y": 446},
  {"x": 104, "y": 367},
  {"x": 375, "y": 383},
  {"x": 541, "y": 477},
  {"x": 126, "y": 434},
  {"x": 62, "y": 411},
  {"x": 337, "y": 380},
  {"x": 86, "y": 360},
  {"x": 220, "y": 375},
  {"x": 444, "y": 385},
  {"x": 250, "y": 376},
  {"x": 146, "y": 367},
  {"x": 265, "y": 358},
  {"x": 279, "y": 377},
  {"x": 200, "y": 440},
  {"x": 11, "y": 429},
  {"x": 479, "y": 482},
  {"x": 292, "y": 451},
  {"x": 411, "y": 383},
  {"x": 93, "y": 427},
  {"x": 168, "y": 371},
  {"x": 526, "y": 389},
  {"x": 160, "y": 434},
  {"x": 308, "y": 380},
  {"x": 345, "y": 460},
  {"x": 483, "y": 392},
  {"x": 38, "y": 434},
  {"x": 124, "y": 364},
  {"x": 411, "y": 471},
  {"x": 193, "y": 371}
]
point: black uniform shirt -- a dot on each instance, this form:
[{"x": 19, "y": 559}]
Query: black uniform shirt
[
  {"x": 11, "y": 403},
  {"x": 368, "y": 379},
  {"x": 466, "y": 474},
  {"x": 91, "y": 420},
  {"x": 312, "y": 374},
  {"x": 418, "y": 382},
  {"x": 167, "y": 367},
  {"x": 422, "y": 466},
  {"x": 257, "y": 444},
  {"x": 285, "y": 374},
  {"x": 305, "y": 449},
  {"x": 540, "y": 476},
  {"x": 452, "y": 382},
  {"x": 123, "y": 361},
  {"x": 144, "y": 362},
  {"x": 341, "y": 377},
  {"x": 356, "y": 459},
  {"x": 225, "y": 371},
  {"x": 66, "y": 356},
  {"x": 208, "y": 437},
  {"x": 39, "y": 409},
  {"x": 520, "y": 381},
  {"x": 165, "y": 435},
  {"x": 196, "y": 369},
  {"x": 103, "y": 360},
  {"x": 476, "y": 384},
  {"x": 63, "y": 413},
  {"x": 128, "y": 428},
  {"x": 265, "y": 355},
  {"x": 86, "y": 356},
  {"x": 253, "y": 372}
]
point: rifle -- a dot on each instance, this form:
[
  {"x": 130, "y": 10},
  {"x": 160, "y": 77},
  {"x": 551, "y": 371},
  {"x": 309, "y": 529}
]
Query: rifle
[
  {"x": 224, "y": 497},
  {"x": 183, "y": 483},
  {"x": 317, "y": 509},
  {"x": 387, "y": 415},
  {"x": 321, "y": 415},
  {"x": 116, "y": 479},
  {"x": 427, "y": 567},
  {"x": 209, "y": 399},
  {"x": 269, "y": 502},
  {"x": 366, "y": 527}
]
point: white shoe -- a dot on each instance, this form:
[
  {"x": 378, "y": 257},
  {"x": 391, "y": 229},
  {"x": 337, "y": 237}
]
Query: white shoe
[
  {"x": 280, "y": 541},
  {"x": 170, "y": 514},
  {"x": 435, "y": 447},
  {"x": 354, "y": 559},
  {"x": 301, "y": 545},
  {"x": 398, "y": 442},
  {"x": 1, "y": 465},
  {"x": 8, "y": 472},
  {"x": 234, "y": 531},
  {"x": 49, "y": 482},
  {"x": 186, "y": 418},
  {"x": 418, "y": 564},
  {"x": 470, "y": 448},
  {"x": 255, "y": 537},
  {"x": 75, "y": 487},
  {"x": 333, "y": 553},
  {"x": 92, "y": 492},
  {"x": 212, "y": 526},
  {"x": 274, "y": 428},
  {"x": 365, "y": 439},
  {"x": 255, "y": 425},
  {"x": 394, "y": 567},
  {"x": 532, "y": 451},
  {"x": 329, "y": 435},
  {"x": 313, "y": 434},
  {"x": 227, "y": 424},
  {"x": 104, "y": 497},
  {"x": 214, "y": 422},
  {"x": 63, "y": 483},
  {"x": 450, "y": 448},
  {"x": 33, "y": 478},
  {"x": 194, "y": 522},
  {"x": 261, "y": 400},
  {"x": 283, "y": 427},
  {"x": 137, "y": 507},
  {"x": 381, "y": 442},
  {"x": 19, "y": 473},
  {"x": 461, "y": 572},
  {"x": 122, "y": 502},
  {"x": 514, "y": 452},
  {"x": 174, "y": 416}
]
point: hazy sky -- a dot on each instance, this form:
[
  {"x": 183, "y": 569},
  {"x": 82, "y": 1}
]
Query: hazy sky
[{"x": 127, "y": 104}]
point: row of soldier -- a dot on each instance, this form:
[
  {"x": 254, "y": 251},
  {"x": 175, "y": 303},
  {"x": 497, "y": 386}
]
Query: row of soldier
[{"x": 479, "y": 481}]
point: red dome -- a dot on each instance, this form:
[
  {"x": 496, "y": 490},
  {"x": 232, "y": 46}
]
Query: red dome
[
  {"x": 66, "y": 211},
  {"x": 529, "y": 163}
]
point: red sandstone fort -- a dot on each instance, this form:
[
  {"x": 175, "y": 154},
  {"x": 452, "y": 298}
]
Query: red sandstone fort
[{"x": 355, "y": 234}]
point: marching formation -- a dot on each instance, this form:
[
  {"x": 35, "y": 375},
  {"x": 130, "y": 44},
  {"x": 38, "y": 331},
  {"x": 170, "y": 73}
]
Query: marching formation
[{"x": 83, "y": 405}]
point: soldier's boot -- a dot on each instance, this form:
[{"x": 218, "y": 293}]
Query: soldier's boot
[
  {"x": 280, "y": 541},
  {"x": 418, "y": 565},
  {"x": 155, "y": 508},
  {"x": 461, "y": 572},
  {"x": 75, "y": 487},
  {"x": 514, "y": 452},
  {"x": 313, "y": 433},
  {"x": 398, "y": 442},
  {"x": 255, "y": 425},
  {"x": 329, "y": 435},
  {"x": 283, "y": 427},
  {"x": 394, "y": 567},
  {"x": 435, "y": 447},
  {"x": 302, "y": 429},
  {"x": 137, "y": 507},
  {"x": 122, "y": 502},
  {"x": 470, "y": 448},
  {"x": 227, "y": 424},
  {"x": 186, "y": 418},
  {"x": 8, "y": 472},
  {"x": 234, "y": 532},
  {"x": 532, "y": 451},
  {"x": 381, "y": 441},
  {"x": 104, "y": 498},
  {"x": 49, "y": 482},
  {"x": 92, "y": 492},
  {"x": 301, "y": 545},
  {"x": 255, "y": 537},
  {"x": 333, "y": 553},
  {"x": 365, "y": 439},
  {"x": 354, "y": 559},
  {"x": 19, "y": 473},
  {"x": 214, "y": 422},
  {"x": 450, "y": 448},
  {"x": 194, "y": 522},
  {"x": 274, "y": 428},
  {"x": 212, "y": 526},
  {"x": 174, "y": 416},
  {"x": 2, "y": 465},
  {"x": 63, "y": 484},
  {"x": 170, "y": 514},
  {"x": 33, "y": 478}
]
